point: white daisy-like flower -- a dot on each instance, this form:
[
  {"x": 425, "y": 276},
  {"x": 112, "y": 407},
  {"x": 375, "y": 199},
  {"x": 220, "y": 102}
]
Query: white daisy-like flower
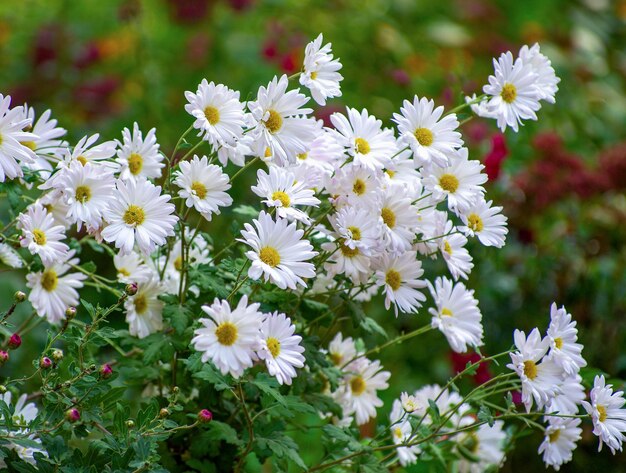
[
  {"x": 357, "y": 228},
  {"x": 460, "y": 182},
  {"x": 88, "y": 190},
  {"x": 398, "y": 219},
  {"x": 230, "y": 337},
  {"x": 324, "y": 153},
  {"x": 486, "y": 444},
  {"x": 546, "y": 77},
  {"x": 9, "y": 257},
  {"x": 354, "y": 185},
  {"x": 86, "y": 151},
  {"x": 139, "y": 157},
  {"x": 41, "y": 235},
  {"x": 279, "y": 253},
  {"x": 359, "y": 390},
  {"x": 204, "y": 186},
  {"x": 281, "y": 191},
  {"x": 53, "y": 290},
  {"x": 485, "y": 222},
  {"x": 559, "y": 442},
  {"x": 445, "y": 400},
  {"x": 132, "y": 268},
  {"x": 431, "y": 136},
  {"x": 362, "y": 135},
  {"x": 280, "y": 348},
  {"x": 540, "y": 380},
  {"x": 23, "y": 413},
  {"x": 400, "y": 278},
  {"x": 13, "y": 152},
  {"x": 401, "y": 432},
  {"x": 349, "y": 261},
  {"x": 55, "y": 203},
  {"x": 341, "y": 350},
  {"x": 607, "y": 413},
  {"x": 456, "y": 256},
  {"x": 514, "y": 92},
  {"x": 571, "y": 395},
  {"x": 218, "y": 112},
  {"x": 280, "y": 121},
  {"x": 457, "y": 314},
  {"x": 144, "y": 310},
  {"x": 409, "y": 402},
  {"x": 319, "y": 73},
  {"x": 138, "y": 213},
  {"x": 563, "y": 337}
]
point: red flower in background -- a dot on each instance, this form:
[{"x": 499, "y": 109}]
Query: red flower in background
[
  {"x": 495, "y": 157},
  {"x": 460, "y": 361}
]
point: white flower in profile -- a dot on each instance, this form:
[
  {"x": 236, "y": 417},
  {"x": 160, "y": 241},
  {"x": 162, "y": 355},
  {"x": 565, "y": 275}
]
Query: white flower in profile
[
  {"x": 400, "y": 277},
  {"x": 23, "y": 412},
  {"x": 559, "y": 441},
  {"x": 9, "y": 257},
  {"x": 546, "y": 76},
  {"x": 540, "y": 378},
  {"x": 431, "y": 136},
  {"x": 359, "y": 390},
  {"x": 362, "y": 135},
  {"x": 514, "y": 92},
  {"x": 13, "y": 152},
  {"x": 86, "y": 151},
  {"x": 280, "y": 348},
  {"x": 607, "y": 412},
  {"x": 144, "y": 310},
  {"x": 280, "y": 121},
  {"x": 218, "y": 112},
  {"x": 456, "y": 256},
  {"x": 132, "y": 268},
  {"x": 55, "y": 203},
  {"x": 398, "y": 217},
  {"x": 563, "y": 337},
  {"x": 409, "y": 402},
  {"x": 279, "y": 253},
  {"x": 401, "y": 432},
  {"x": 571, "y": 395},
  {"x": 230, "y": 337},
  {"x": 457, "y": 314},
  {"x": 281, "y": 191},
  {"x": 139, "y": 157},
  {"x": 341, "y": 350},
  {"x": 41, "y": 235},
  {"x": 319, "y": 73},
  {"x": 203, "y": 185},
  {"x": 138, "y": 213},
  {"x": 485, "y": 222},
  {"x": 357, "y": 229},
  {"x": 54, "y": 290},
  {"x": 486, "y": 444}
]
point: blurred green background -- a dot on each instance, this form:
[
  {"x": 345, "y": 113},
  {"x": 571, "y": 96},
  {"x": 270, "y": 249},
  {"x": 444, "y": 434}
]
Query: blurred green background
[{"x": 100, "y": 65}]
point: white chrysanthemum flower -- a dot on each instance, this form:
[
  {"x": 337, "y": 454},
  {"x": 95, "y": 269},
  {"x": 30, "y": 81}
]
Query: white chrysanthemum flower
[
  {"x": 319, "y": 73},
  {"x": 430, "y": 226},
  {"x": 401, "y": 173},
  {"x": 546, "y": 77},
  {"x": 53, "y": 290},
  {"x": 9, "y": 257},
  {"x": 86, "y": 151},
  {"x": 280, "y": 122},
  {"x": 514, "y": 92},
  {"x": 364, "y": 138},
  {"x": 401, "y": 432},
  {"x": 279, "y": 253},
  {"x": 280, "y": 348},
  {"x": 324, "y": 153},
  {"x": 55, "y": 203},
  {"x": 409, "y": 402},
  {"x": 398, "y": 217},
  {"x": 540, "y": 381},
  {"x": 132, "y": 268},
  {"x": 349, "y": 261},
  {"x": 137, "y": 212},
  {"x": 229, "y": 337},
  {"x": 88, "y": 190},
  {"x": 485, "y": 222},
  {"x": 40, "y": 234},
  {"x": 460, "y": 182},
  {"x": 563, "y": 337},
  {"x": 354, "y": 185},
  {"x": 357, "y": 229},
  {"x": 12, "y": 150},
  {"x": 445, "y": 400},
  {"x": 363, "y": 378},
  {"x": 486, "y": 444},
  {"x": 139, "y": 157},
  {"x": 400, "y": 278},
  {"x": 281, "y": 191},
  {"x": 607, "y": 413},
  {"x": 432, "y": 138},
  {"x": 341, "y": 350},
  {"x": 456, "y": 256},
  {"x": 236, "y": 153},
  {"x": 457, "y": 314},
  {"x": 559, "y": 442},
  {"x": 571, "y": 395},
  {"x": 23, "y": 413},
  {"x": 144, "y": 310},
  {"x": 204, "y": 186},
  {"x": 218, "y": 112}
]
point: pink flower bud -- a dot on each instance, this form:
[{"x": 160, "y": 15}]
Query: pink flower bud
[
  {"x": 45, "y": 363},
  {"x": 70, "y": 313},
  {"x": 131, "y": 289},
  {"x": 106, "y": 371},
  {"x": 205, "y": 416},
  {"x": 4, "y": 357},
  {"x": 72, "y": 415},
  {"x": 15, "y": 341}
]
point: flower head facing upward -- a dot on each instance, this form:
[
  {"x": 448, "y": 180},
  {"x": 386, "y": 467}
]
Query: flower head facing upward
[
  {"x": 139, "y": 156},
  {"x": 41, "y": 236}
]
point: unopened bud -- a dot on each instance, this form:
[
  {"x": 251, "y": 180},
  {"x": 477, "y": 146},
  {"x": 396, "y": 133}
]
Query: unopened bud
[
  {"x": 175, "y": 389},
  {"x": 45, "y": 363},
  {"x": 57, "y": 354},
  {"x": 205, "y": 416},
  {"x": 3, "y": 389},
  {"x": 72, "y": 415},
  {"x": 19, "y": 296},
  {"x": 106, "y": 371},
  {"x": 92, "y": 367},
  {"x": 4, "y": 357},
  {"x": 163, "y": 413},
  {"x": 131, "y": 289},
  {"x": 130, "y": 424},
  {"x": 15, "y": 341},
  {"x": 70, "y": 313}
]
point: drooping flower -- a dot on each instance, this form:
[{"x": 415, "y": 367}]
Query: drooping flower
[
  {"x": 563, "y": 337},
  {"x": 542, "y": 66}
]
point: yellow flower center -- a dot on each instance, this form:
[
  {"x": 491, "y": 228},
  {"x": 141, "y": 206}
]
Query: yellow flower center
[
  {"x": 212, "y": 115},
  {"x": 268, "y": 152},
  {"x": 393, "y": 279},
  {"x": 509, "y": 92},
  {"x": 178, "y": 264},
  {"x": 29, "y": 144},
  {"x": 449, "y": 183},
  {"x": 39, "y": 237},
  {"x": 226, "y": 333},
  {"x": 475, "y": 223},
  {"x": 141, "y": 303},
  {"x": 445, "y": 312},
  {"x": 273, "y": 345},
  {"x": 390, "y": 173},
  {"x": 359, "y": 187},
  {"x": 347, "y": 251},
  {"x": 447, "y": 248},
  {"x": 123, "y": 272},
  {"x": 134, "y": 215},
  {"x": 199, "y": 189},
  {"x": 83, "y": 194},
  {"x": 336, "y": 358},
  {"x": 355, "y": 233},
  {"x": 601, "y": 412},
  {"x": 424, "y": 136},
  {"x": 281, "y": 196},
  {"x": 554, "y": 436},
  {"x": 388, "y": 217},
  {"x": 274, "y": 122},
  {"x": 303, "y": 156},
  {"x": 269, "y": 256},
  {"x": 49, "y": 280},
  {"x": 362, "y": 146},
  {"x": 135, "y": 163},
  {"x": 357, "y": 385},
  {"x": 314, "y": 75},
  {"x": 82, "y": 160},
  {"x": 558, "y": 342},
  {"x": 397, "y": 432},
  {"x": 530, "y": 369}
]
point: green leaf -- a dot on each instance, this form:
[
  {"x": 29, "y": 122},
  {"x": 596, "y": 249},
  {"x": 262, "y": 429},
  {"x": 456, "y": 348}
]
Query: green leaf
[
  {"x": 178, "y": 316},
  {"x": 212, "y": 375},
  {"x": 89, "y": 266},
  {"x": 217, "y": 430},
  {"x": 433, "y": 409},
  {"x": 283, "y": 447},
  {"x": 484, "y": 415},
  {"x": 269, "y": 385}
]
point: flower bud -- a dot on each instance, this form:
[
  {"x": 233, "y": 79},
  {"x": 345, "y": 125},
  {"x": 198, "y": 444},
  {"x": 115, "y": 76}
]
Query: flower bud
[
  {"x": 45, "y": 363},
  {"x": 130, "y": 424},
  {"x": 205, "y": 416},
  {"x": 19, "y": 296},
  {"x": 163, "y": 413},
  {"x": 131, "y": 289},
  {"x": 70, "y": 313},
  {"x": 15, "y": 341},
  {"x": 175, "y": 389},
  {"x": 106, "y": 371},
  {"x": 57, "y": 355},
  {"x": 4, "y": 357},
  {"x": 3, "y": 389},
  {"x": 72, "y": 415}
]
